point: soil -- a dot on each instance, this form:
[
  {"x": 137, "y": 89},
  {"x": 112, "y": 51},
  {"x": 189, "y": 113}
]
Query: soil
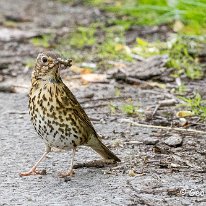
[{"x": 160, "y": 166}]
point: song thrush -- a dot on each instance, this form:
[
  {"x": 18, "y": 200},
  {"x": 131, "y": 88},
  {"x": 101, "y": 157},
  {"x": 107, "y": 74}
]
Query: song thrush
[{"x": 56, "y": 114}]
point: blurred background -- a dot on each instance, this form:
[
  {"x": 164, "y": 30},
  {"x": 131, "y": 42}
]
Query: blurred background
[{"x": 100, "y": 35}]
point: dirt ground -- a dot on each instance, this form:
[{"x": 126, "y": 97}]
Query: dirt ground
[{"x": 160, "y": 165}]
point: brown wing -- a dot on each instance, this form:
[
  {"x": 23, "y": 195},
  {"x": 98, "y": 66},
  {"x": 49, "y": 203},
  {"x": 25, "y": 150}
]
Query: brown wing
[
  {"x": 70, "y": 99},
  {"x": 95, "y": 144}
]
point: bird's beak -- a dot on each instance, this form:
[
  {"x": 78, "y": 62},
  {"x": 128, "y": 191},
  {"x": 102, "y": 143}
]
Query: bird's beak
[{"x": 65, "y": 63}]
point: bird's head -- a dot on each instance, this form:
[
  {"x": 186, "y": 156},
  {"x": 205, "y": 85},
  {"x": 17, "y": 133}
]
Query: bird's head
[{"x": 48, "y": 65}]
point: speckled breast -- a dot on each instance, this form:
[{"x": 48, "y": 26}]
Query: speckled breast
[{"x": 54, "y": 123}]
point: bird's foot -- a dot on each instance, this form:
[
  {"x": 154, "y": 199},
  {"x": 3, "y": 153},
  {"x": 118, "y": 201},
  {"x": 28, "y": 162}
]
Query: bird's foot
[
  {"x": 67, "y": 174},
  {"x": 33, "y": 172}
]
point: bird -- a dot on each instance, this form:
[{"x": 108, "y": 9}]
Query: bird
[{"x": 56, "y": 114}]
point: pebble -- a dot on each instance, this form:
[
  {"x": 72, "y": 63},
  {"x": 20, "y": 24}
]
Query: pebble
[
  {"x": 175, "y": 140},
  {"x": 151, "y": 141}
]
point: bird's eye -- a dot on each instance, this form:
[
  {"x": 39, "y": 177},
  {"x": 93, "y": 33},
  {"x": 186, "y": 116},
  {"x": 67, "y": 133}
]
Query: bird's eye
[{"x": 44, "y": 59}]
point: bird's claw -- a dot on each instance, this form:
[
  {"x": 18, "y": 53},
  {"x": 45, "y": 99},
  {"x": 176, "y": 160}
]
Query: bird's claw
[{"x": 33, "y": 172}]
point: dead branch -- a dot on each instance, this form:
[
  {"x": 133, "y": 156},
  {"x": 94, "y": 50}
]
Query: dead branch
[
  {"x": 162, "y": 127},
  {"x": 105, "y": 99},
  {"x": 164, "y": 103},
  {"x": 95, "y": 163}
]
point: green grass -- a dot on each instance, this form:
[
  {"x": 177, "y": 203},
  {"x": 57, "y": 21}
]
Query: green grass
[
  {"x": 196, "y": 105},
  {"x": 105, "y": 41},
  {"x": 183, "y": 57},
  {"x": 113, "y": 46},
  {"x": 82, "y": 37},
  {"x": 152, "y": 12},
  {"x": 182, "y": 54},
  {"x": 147, "y": 49},
  {"x": 95, "y": 43},
  {"x": 127, "y": 108}
]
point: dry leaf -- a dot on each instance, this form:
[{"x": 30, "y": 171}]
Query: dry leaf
[
  {"x": 76, "y": 69},
  {"x": 86, "y": 71},
  {"x": 184, "y": 114},
  {"x": 94, "y": 77}
]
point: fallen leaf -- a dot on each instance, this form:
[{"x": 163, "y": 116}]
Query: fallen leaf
[
  {"x": 184, "y": 114},
  {"x": 94, "y": 77},
  {"x": 142, "y": 42},
  {"x": 86, "y": 71},
  {"x": 75, "y": 69}
]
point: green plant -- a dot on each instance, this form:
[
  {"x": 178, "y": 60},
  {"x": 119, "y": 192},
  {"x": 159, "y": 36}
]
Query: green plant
[
  {"x": 182, "y": 54},
  {"x": 129, "y": 109},
  {"x": 113, "y": 46},
  {"x": 181, "y": 58},
  {"x": 196, "y": 104},
  {"x": 191, "y": 13},
  {"x": 147, "y": 49},
  {"x": 181, "y": 90},
  {"x": 43, "y": 41},
  {"x": 82, "y": 37}
]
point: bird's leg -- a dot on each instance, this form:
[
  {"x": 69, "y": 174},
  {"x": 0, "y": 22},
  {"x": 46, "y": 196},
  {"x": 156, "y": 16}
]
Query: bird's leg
[
  {"x": 33, "y": 170},
  {"x": 70, "y": 172}
]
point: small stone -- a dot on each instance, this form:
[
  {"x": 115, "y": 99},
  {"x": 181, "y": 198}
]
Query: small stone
[
  {"x": 151, "y": 141},
  {"x": 175, "y": 140}
]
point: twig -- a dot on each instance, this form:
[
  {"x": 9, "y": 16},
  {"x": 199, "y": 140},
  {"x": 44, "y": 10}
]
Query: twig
[
  {"x": 162, "y": 127},
  {"x": 105, "y": 99},
  {"x": 164, "y": 103},
  {"x": 133, "y": 143},
  {"x": 16, "y": 112},
  {"x": 155, "y": 110},
  {"x": 95, "y": 163}
]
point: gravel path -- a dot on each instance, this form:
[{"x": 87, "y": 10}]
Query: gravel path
[{"x": 20, "y": 147}]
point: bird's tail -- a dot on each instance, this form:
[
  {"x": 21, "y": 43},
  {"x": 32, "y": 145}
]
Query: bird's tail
[{"x": 101, "y": 149}]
